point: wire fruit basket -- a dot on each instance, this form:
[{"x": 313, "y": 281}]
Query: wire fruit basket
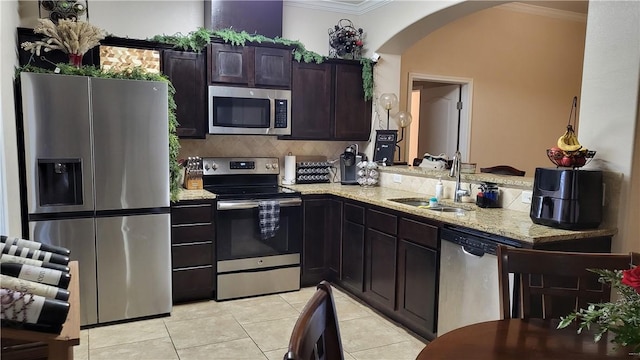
[{"x": 572, "y": 159}]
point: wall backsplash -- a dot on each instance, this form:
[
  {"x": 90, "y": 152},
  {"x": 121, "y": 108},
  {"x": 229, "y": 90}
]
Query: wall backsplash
[
  {"x": 510, "y": 198},
  {"x": 264, "y": 146}
]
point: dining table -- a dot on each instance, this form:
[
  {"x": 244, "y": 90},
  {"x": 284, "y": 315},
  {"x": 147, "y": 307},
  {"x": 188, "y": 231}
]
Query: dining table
[{"x": 523, "y": 339}]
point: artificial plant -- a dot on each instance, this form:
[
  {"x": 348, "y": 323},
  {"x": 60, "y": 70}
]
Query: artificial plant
[{"x": 197, "y": 40}]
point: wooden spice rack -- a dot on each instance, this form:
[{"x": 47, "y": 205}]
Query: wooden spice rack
[{"x": 54, "y": 346}]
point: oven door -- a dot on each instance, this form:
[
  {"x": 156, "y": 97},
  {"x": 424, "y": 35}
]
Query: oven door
[
  {"x": 248, "y": 265},
  {"x": 238, "y": 230}
]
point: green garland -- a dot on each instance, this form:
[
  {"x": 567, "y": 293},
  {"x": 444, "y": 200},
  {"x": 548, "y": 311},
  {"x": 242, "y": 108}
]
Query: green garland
[
  {"x": 367, "y": 78},
  {"x": 136, "y": 73},
  {"x": 197, "y": 40}
]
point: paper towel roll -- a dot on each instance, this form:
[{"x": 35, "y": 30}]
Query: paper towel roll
[{"x": 289, "y": 170}]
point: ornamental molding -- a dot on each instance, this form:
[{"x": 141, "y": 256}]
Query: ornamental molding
[
  {"x": 343, "y": 7},
  {"x": 544, "y": 11},
  {"x": 361, "y": 7}
]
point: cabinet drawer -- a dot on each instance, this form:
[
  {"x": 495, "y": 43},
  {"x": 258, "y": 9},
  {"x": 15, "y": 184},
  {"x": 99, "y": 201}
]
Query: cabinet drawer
[
  {"x": 189, "y": 255},
  {"x": 191, "y": 214},
  {"x": 192, "y": 284},
  {"x": 384, "y": 222},
  {"x": 419, "y": 233},
  {"x": 191, "y": 233},
  {"x": 354, "y": 213}
]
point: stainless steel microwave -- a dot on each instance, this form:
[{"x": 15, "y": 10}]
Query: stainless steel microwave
[{"x": 240, "y": 110}]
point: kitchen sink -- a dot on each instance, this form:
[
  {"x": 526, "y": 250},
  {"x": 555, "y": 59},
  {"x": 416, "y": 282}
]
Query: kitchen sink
[{"x": 424, "y": 204}]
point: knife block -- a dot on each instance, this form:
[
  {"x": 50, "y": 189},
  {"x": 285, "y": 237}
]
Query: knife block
[{"x": 192, "y": 180}]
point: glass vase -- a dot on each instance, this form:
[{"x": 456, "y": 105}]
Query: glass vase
[{"x": 75, "y": 60}]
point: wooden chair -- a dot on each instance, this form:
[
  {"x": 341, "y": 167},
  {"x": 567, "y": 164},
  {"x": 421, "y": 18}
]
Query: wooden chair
[
  {"x": 503, "y": 170},
  {"x": 552, "y": 284},
  {"x": 316, "y": 334}
]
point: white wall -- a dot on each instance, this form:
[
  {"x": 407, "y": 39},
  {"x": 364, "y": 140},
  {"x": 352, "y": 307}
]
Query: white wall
[
  {"x": 9, "y": 190},
  {"x": 311, "y": 27},
  {"x": 134, "y": 19},
  {"x": 610, "y": 94}
]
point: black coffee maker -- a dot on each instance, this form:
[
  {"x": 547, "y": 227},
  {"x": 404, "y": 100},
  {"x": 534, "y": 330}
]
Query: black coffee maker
[
  {"x": 349, "y": 165},
  {"x": 567, "y": 198}
]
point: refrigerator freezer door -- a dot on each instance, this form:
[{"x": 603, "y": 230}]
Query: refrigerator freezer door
[
  {"x": 131, "y": 152},
  {"x": 134, "y": 266},
  {"x": 77, "y": 235},
  {"x": 57, "y": 142}
]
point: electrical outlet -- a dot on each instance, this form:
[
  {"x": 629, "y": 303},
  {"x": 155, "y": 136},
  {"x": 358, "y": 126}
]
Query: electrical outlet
[
  {"x": 526, "y": 196},
  {"x": 397, "y": 178}
]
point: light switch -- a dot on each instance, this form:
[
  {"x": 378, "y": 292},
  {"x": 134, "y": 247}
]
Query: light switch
[
  {"x": 397, "y": 178},
  {"x": 526, "y": 196}
]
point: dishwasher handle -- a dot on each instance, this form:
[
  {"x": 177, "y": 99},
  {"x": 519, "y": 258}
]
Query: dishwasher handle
[{"x": 473, "y": 251}]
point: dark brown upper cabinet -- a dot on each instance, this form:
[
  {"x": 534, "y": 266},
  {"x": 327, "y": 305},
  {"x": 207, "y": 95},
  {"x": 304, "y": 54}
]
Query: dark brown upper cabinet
[
  {"x": 327, "y": 102},
  {"x": 352, "y": 114},
  {"x": 251, "y": 66},
  {"x": 311, "y": 116},
  {"x": 186, "y": 70}
]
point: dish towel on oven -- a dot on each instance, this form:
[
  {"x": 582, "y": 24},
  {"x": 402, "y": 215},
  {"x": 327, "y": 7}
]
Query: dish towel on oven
[{"x": 269, "y": 214}]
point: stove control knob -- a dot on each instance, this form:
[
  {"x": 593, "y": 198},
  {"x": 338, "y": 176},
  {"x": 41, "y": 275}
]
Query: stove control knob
[
  {"x": 206, "y": 166},
  {"x": 268, "y": 166},
  {"x": 275, "y": 165},
  {"x": 214, "y": 166}
]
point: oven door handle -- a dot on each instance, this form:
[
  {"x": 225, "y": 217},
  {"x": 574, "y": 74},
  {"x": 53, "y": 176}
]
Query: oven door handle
[{"x": 250, "y": 204}]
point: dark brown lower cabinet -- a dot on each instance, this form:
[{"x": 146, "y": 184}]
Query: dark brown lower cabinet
[
  {"x": 192, "y": 250},
  {"x": 380, "y": 259},
  {"x": 417, "y": 269},
  {"x": 353, "y": 232},
  {"x": 322, "y": 217},
  {"x": 334, "y": 267},
  {"x": 418, "y": 260},
  {"x": 381, "y": 268},
  {"x": 390, "y": 261}
]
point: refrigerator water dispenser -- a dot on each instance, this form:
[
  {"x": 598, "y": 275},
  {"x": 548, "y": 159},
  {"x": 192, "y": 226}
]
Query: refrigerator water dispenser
[{"x": 60, "y": 182}]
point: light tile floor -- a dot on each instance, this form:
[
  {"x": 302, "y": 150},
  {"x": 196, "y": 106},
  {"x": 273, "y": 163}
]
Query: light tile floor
[{"x": 254, "y": 328}]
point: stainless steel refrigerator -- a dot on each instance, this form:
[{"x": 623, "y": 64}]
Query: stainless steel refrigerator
[{"x": 95, "y": 175}]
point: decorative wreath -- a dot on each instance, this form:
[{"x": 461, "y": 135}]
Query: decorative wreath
[{"x": 345, "y": 41}]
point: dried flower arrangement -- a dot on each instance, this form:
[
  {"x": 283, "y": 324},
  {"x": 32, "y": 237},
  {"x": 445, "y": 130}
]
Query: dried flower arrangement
[{"x": 71, "y": 37}]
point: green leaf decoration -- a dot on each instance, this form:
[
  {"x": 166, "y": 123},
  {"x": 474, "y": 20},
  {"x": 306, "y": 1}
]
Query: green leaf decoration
[
  {"x": 621, "y": 318},
  {"x": 136, "y": 73},
  {"x": 198, "y": 40},
  {"x": 367, "y": 78}
]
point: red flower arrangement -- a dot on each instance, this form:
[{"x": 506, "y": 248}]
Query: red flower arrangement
[
  {"x": 621, "y": 318},
  {"x": 632, "y": 278}
]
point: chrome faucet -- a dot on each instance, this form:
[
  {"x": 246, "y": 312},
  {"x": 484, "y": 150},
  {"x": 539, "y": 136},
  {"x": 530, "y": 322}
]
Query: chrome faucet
[{"x": 455, "y": 172}]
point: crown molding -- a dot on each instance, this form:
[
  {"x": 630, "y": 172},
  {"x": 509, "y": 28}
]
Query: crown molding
[
  {"x": 544, "y": 11},
  {"x": 339, "y": 6}
]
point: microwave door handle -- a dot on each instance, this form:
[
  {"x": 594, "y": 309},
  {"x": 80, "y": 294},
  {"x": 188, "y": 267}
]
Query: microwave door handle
[
  {"x": 251, "y": 204},
  {"x": 272, "y": 113}
]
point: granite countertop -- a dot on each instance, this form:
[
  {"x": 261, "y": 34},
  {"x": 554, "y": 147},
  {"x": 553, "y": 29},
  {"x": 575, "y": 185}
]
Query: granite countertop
[
  {"x": 195, "y": 195},
  {"x": 509, "y": 223}
]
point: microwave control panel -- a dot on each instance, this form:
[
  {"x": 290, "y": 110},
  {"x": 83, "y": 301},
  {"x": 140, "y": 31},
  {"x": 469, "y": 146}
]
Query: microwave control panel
[{"x": 281, "y": 114}]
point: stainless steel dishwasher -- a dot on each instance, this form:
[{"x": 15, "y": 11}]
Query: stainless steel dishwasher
[{"x": 468, "y": 287}]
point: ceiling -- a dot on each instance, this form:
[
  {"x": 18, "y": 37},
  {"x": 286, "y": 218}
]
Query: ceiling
[{"x": 360, "y": 7}]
